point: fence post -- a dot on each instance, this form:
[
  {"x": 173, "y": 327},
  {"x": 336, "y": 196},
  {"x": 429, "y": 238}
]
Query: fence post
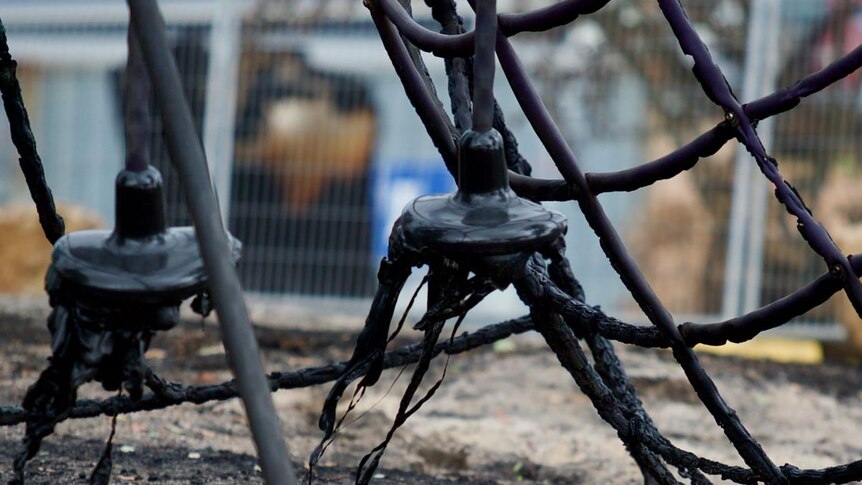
[
  {"x": 744, "y": 261},
  {"x": 221, "y": 97}
]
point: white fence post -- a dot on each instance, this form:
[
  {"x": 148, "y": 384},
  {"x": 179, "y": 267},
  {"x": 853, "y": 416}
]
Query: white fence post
[
  {"x": 221, "y": 93},
  {"x": 744, "y": 262}
]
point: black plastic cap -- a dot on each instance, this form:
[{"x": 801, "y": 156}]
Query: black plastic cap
[
  {"x": 140, "y": 204},
  {"x": 482, "y": 163}
]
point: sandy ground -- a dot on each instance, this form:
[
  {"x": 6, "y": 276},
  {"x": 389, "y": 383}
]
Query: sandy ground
[{"x": 505, "y": 414}]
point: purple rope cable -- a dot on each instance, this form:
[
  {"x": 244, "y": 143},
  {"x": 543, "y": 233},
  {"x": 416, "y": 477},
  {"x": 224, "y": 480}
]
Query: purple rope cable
[
  {"x": 436, "y": 121},
  {"x": 461, "y": 45},
  {"x": 775, "y": 314},
  {"x": 750, "y": 451},
  {"x": 708, "y": 143},
  {"x": 771, "y": 315},
  {"x": 738, "y": 329},
  {"x": 711, "y": 141},
  {"x": 549, "y": 17},
  {"x": 716, "y": 87}
]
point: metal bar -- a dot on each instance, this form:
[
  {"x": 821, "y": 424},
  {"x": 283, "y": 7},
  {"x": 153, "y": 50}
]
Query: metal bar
[
  {"x": 738, "y": 222},
  {"x": 137, "y": 101},
  {"x": 221, "y": 98},
  {"x": 484, "y": 64},
  {"x": 747, "y": 201},
  {"x": 768, "y": 15},
  {"x": 188, "y": 157}
]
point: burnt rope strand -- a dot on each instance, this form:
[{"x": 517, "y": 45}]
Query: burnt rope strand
[
  {"x": 612, "y": 374},
  {"x": 24, "y": 141},
  {"x": 171, "y": 394},
  {"x": 547, "y": 131},
  {"x": 718, "y": 90},
  {"x": 368, "y": 464},
  {"x": 368, "y": 357},
  {"x": 737, "y": 330},
  {"x": 571, "y": 356},
  {"x": 458, "y": 73},
  {"x": 705, "y": 145},
  {"x": 611, "y": 370},
  {"x": 709, "y": 142},
  {"x": 564, "y": 344},
  {"x": 606, "y": 362},
  {"x": 458, "y": 85},
  {"x": 440, "y": 129},
  {"x": 462, "y": 44}
]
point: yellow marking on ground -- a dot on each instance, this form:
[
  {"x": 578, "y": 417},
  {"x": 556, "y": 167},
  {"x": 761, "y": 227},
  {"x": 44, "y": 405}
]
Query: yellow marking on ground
[{"x": 779, "y": 350}]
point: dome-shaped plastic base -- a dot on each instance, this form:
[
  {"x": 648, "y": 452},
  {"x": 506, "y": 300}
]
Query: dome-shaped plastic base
[
  {"x": 495, "y": 223},
  {"x": 100, "y": 265}
]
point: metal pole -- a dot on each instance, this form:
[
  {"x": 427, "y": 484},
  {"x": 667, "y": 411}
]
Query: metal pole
[
  {"x": 768, "y": 16},
  {"x": 137, "y": 103},
  {"x": 484, "y": 64},
  {"x": 748, "y": 186},
  {"x": 221, "y": 93},
  {"x": 187, "y": 155}
]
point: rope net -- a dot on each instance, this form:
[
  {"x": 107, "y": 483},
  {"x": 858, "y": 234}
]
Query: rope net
[
  {"x": 547, "y": 284},
  {"x": 545, "y": 280}
]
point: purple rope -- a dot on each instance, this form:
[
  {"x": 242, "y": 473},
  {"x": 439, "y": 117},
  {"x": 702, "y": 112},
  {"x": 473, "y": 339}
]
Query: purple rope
[
  {"x": 717, "y": 89},
  {"x": 711, "y": 141},
  {"x": 436, "y": 121},
  {"x": 751, "y": 451},
  {"x": 461, "y": 45},
  {"x": 746, "y": 327}
]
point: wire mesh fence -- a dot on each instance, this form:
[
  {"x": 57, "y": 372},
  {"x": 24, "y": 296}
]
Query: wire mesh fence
[{"x": 314, "y": 150}]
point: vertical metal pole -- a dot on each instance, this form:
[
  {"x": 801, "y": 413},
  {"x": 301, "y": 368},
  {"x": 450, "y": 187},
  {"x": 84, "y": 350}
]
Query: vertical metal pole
[
  {"x": 769, "y": 15},
  {"x": 188, "y": 157},
  {"x": 748, "y": 185},
  {"x": 221, "y": 97},
  {"x": 137, "y": 104},
  {"x": 484, "y": 64}
]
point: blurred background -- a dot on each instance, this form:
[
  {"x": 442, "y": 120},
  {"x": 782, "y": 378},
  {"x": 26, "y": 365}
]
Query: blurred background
[{"x": 314, "y": 148}]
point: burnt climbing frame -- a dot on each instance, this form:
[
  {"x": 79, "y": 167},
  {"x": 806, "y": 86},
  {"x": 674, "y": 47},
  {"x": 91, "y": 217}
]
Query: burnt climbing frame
[
  {"x": 486, "y": 237},
  {"x": 483, "y": 244}
]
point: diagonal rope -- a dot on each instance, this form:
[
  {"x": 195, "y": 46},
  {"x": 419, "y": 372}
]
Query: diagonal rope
[{"x": 24, "y": 141}]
